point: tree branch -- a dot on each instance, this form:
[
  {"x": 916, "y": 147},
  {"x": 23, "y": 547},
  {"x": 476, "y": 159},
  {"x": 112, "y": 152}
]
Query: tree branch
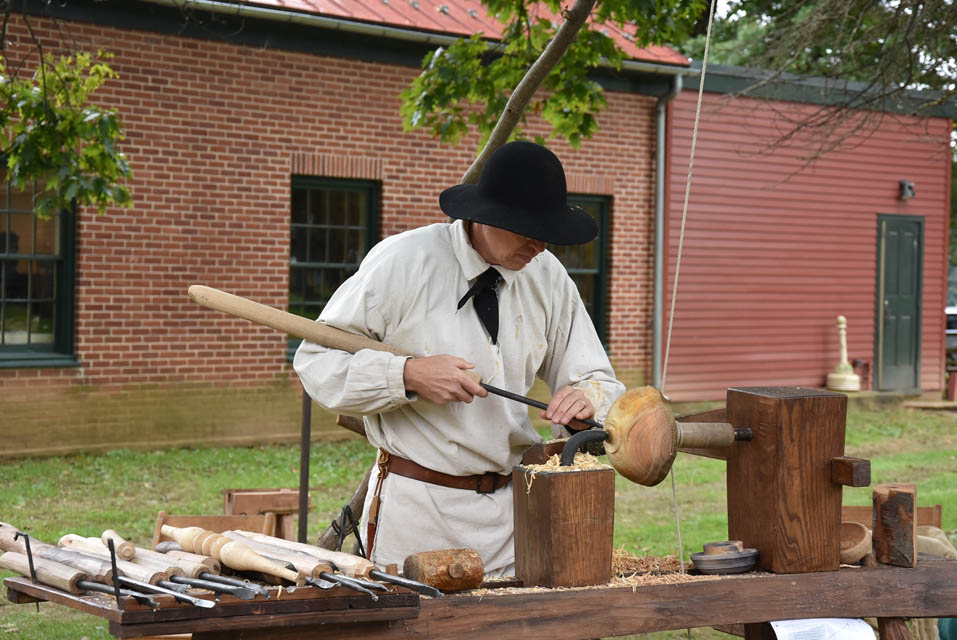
[{"x": 522, "y": 95}]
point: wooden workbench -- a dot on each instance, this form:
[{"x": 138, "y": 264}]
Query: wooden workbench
[{"x": 929, "y": 590}]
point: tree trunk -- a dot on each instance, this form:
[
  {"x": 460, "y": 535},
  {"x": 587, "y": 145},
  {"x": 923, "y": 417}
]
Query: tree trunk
[{"x": 522, "y": 95}]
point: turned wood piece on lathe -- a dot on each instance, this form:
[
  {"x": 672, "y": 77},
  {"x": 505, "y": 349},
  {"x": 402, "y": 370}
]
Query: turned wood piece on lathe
[
  {"x": 644, "y": 437},
  {"x": 233, "y": 554}
]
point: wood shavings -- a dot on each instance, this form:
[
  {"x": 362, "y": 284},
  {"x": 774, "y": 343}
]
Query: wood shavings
[
  {"x": 624, "y": 562},
  {"x": 633, "y": 581},
  {"x": 582, "y": 462},
  {"x": 648, "y": 579}
]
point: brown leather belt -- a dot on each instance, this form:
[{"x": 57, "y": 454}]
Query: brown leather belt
[
  {"x": 390, "y": 463},
  {"x": 479, "y": 482}
]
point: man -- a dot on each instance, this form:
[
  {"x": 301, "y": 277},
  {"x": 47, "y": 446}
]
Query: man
[{"x": 477, "y": 296}]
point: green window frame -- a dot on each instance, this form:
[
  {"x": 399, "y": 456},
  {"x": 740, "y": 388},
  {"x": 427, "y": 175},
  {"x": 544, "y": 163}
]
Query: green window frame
[
  {"x": 37, "y": 282},
  {"x": 587, "y": 264},
  {"x": 334, "y": 223}
]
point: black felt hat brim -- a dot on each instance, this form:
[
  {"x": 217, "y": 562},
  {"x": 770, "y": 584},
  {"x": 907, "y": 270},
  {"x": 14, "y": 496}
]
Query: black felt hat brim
[{"x": 567, "y": 226}]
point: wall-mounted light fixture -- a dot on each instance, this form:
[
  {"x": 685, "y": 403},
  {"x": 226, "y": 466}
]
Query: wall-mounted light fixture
[{"x": 906, "y": 190}]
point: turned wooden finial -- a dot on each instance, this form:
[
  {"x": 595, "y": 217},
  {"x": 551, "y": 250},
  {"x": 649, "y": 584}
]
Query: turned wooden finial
[{"x": 843, "y": 377}]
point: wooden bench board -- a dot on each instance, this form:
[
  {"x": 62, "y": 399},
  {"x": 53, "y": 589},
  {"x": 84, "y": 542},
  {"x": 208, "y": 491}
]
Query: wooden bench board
[{"x": 929, "y": 590}]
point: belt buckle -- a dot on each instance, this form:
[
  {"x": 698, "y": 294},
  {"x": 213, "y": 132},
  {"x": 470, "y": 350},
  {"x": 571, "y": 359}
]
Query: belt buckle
[{"x": 480, "y": 481}]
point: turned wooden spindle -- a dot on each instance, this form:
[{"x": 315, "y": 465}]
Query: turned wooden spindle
[
  {"x": 843, "y": 377},
  {"x": 644, "y": 437},
  {"x": 232, "y": 553}
]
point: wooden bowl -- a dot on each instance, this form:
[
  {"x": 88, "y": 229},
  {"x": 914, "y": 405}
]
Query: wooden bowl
[{"x": 855, "y": 542}]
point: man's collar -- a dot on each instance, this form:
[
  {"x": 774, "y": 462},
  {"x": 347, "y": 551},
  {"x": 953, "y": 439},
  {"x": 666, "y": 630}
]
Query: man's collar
[{"x": 470, "y": 261}]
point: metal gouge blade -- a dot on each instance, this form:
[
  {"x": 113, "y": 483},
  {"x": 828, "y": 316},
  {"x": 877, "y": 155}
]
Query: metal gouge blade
[
  {"x": 240, "y": 592},
  {"x": 347, "y": 582},
  {"x": 415, "y": 585},
  {"x": 142, "y": 598},
  {"x": 365, "y": 583},
  {"x": 178, "y": 588},
  {"x": 182, "y": 597},
  {"x": 369, "y": 584},
  {"x": 212, "y": 577},
  {"x": 322, "y": 584}
]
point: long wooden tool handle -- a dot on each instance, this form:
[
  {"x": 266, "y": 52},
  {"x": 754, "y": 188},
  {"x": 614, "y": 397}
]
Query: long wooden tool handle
[
  {"x": 124, "y": 548},
  {"x": 231, "y": 553},
  {"x": 292, "y": 324},
  {"x": 48, "y": 572},
  {"x": 284, "y": 321},
  {"x": 352, "y": 566}
]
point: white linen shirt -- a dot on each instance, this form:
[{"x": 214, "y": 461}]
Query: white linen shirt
[{"x": 405, "y": 294}]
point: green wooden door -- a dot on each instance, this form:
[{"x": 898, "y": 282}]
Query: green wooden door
[{"x": 900, "y": 249}]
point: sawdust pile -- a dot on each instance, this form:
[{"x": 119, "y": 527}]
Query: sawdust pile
[{"x": 582, "y": 462}]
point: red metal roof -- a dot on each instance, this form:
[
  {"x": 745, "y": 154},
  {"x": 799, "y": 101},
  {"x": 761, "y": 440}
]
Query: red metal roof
[{"x": 455, "y": 17}]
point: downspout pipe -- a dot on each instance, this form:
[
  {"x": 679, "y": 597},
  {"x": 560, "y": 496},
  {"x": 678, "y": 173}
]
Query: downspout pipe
[{"x": 661, "y": 116}]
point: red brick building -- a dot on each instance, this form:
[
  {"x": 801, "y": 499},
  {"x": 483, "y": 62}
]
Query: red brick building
[{"x": 268, "y": 155}]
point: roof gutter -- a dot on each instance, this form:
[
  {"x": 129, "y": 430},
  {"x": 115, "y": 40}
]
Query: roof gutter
[
  {"x": 368, "y": 29},
  {"x": 661, "y": 113}
]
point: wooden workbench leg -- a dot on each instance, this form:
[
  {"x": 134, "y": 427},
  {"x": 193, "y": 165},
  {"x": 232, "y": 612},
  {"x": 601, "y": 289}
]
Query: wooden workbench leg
[
  {"x": 893, "y": 629},
  {"x": 759, "y": 631}
]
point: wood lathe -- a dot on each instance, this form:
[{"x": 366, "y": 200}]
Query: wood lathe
[{"x": 782, "y": 445}]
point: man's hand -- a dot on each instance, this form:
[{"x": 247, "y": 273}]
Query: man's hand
[
  {"x": 568, "y": 404},
  {"x": 442, "y": 379}
]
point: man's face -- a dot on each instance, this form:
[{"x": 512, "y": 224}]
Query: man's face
[{"x": 501, "y": 247}]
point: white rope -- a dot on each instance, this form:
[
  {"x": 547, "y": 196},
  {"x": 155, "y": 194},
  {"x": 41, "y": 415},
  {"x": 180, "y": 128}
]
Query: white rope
[
  {"x": 681, "y": 241},
  {"x": 684, "y": 209}
]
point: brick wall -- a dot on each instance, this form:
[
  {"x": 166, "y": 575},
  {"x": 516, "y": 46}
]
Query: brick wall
[{"x": 214, "y": 132}]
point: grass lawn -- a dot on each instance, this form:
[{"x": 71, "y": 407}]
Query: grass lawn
[{"x": 124, "y": 490}]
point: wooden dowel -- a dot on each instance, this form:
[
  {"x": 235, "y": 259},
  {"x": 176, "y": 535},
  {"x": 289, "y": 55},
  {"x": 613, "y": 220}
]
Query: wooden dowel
[{"x": 705, "y": 435}]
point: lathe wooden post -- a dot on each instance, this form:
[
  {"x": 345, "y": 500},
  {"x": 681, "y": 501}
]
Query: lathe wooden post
[
  {"x": 564, "y": 526},
  {"x": 782, "y": 500}
]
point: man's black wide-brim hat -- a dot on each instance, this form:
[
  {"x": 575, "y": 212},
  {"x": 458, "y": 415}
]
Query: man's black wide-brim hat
[{"x": 522, "y": 190}]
